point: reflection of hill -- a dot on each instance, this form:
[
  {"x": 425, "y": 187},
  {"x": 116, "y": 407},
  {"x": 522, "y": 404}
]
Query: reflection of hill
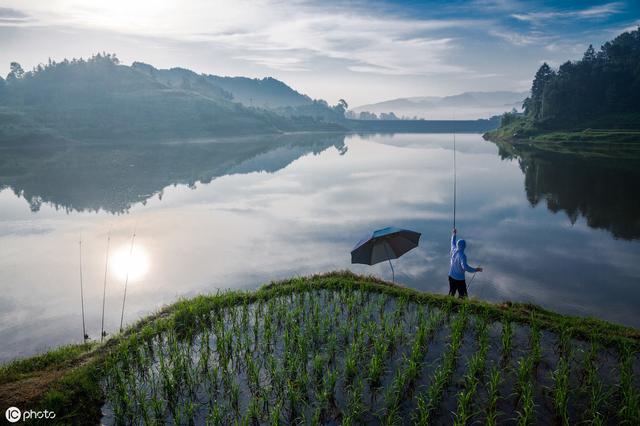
[
  {"x": 115, "y": 177},
  {"x": 604, "y": 191}
]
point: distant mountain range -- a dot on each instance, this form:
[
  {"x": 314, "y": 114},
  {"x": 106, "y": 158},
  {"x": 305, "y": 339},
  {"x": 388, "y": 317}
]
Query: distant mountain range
[{"x": 467, "y": 106}]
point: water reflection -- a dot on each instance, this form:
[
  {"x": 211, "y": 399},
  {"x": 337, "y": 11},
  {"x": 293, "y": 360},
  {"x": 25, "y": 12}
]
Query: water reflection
[
  {"x": 130, "y": 264},
  {"x": 602, "y": 189},
  {"x": 234, "y": 214},
  {"x": 115, "y": 177}
]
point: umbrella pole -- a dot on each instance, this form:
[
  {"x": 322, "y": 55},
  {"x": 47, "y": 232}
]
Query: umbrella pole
[{"x": 393, "y": 273}]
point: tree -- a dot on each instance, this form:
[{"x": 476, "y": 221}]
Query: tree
[
  {"x": 366, "y": 115},
  {"x": 603, "y": 88},
  {"x": 340, "y": 108},
  {"x": 16, "y": 72},
  {"x": 589, "y": 55},
  {"x": 542, "y": 77}
]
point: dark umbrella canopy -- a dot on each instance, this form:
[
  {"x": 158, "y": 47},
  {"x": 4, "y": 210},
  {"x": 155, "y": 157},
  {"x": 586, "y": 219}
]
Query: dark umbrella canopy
[{"x": 384, "y": 244}]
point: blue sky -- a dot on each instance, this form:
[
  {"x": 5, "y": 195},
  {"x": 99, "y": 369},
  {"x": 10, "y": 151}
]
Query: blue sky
[{"x": 361, "y": 51}]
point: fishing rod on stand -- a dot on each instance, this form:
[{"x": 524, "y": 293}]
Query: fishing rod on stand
[
  {"x": 126, "y": 281},
  {"x": 85, "y": 336},
  {"x": 104, "y": 289}
]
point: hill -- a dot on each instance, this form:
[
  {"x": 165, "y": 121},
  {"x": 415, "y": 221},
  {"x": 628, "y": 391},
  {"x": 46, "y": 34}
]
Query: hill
[
  {"x": 468, "y": 105},
  {"x": 100, "y": 99},
  {"x": 339, "y": 348},
  {"x": 592, "y": 100},
  {"x": 265, "y": 93}
]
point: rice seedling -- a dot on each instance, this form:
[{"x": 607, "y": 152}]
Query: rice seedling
[
  {"x": 507, "y": 337},
  {"x": 629, "y": 411},
  {"x": 593, "y": 388},
  {"x": 526, "y": 412},
  {"x": 471, "y": 378},
  {"x": 428, "y": 402},
  {"x": 561, "y": 390},
  {"x": 493, "y": 396}
]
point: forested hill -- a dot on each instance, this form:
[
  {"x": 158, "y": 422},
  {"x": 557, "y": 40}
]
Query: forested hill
[
  {"x": 600, "y": 91},
  {"x": 267, "y": 93},
  {"x": 98, "y": 98}
]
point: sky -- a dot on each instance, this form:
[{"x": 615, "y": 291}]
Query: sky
[{"x": 362, "y": 51}]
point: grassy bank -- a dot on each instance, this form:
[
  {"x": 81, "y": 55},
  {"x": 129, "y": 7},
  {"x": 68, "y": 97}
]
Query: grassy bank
[
  {"x": 339, "y": 348},
  {"x": 587, "y": 140}
]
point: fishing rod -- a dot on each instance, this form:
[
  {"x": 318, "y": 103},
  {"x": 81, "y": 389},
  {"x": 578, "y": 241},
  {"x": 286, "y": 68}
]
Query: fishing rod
[
  {"x": 104, "y": 289},
  {"x": 454, "y": 172},
  {"x": 126, "y": 281},
  {"x": 84, "y": 330}
]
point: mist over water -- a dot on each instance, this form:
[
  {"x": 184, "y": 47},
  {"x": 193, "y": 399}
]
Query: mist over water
[{"x": 548, "y": 229}]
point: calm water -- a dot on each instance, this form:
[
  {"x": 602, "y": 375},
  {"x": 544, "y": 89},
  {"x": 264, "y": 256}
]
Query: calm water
[{"x": 557, "y": 230}]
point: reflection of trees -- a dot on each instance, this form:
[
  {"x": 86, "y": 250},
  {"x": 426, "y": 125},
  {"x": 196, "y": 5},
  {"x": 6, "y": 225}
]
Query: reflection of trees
[
  {"x": 604, "y": 191},
  {"x": 115, "y": 177}
]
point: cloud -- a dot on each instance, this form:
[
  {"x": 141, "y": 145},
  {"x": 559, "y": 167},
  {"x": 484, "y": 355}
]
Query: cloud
[
  {"x": 518, "y": 39},
  {"x": 627, "y": 28},
  {"x": 7, "y": 13},
  {"x": 498, "y": 5},
  {"x": 595, "y": 12},
  {"x": 284, "y": 63},
  {"x": 13, "y": 18},
  {"x": 277, "y": 34}
]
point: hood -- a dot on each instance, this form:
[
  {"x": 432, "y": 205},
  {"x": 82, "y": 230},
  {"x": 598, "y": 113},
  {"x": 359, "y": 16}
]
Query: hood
[{"x": 461, "y": 245}]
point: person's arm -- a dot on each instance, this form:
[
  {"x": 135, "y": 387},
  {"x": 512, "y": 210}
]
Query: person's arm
[
  {"x": 466, "y": 267},
  {"x": 453, "y": 240}
]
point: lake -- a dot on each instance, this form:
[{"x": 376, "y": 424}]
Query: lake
[{"x": 554, "y": 229}]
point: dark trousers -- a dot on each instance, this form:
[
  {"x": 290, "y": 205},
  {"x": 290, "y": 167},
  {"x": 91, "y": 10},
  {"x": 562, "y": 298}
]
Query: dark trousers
[{"x": 457, "y": 285}]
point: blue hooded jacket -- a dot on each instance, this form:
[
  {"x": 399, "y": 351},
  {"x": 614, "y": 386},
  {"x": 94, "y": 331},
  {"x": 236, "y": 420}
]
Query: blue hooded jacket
[{"x": 458, "y": 260}]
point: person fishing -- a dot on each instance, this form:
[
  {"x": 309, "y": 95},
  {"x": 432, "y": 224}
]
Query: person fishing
[{"x": 458, "y": 267}]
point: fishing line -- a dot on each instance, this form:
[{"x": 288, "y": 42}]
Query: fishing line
[{"x": 474, "y": 276}]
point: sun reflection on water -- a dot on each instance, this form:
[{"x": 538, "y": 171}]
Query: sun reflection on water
[{"x": 134, "y": 263}]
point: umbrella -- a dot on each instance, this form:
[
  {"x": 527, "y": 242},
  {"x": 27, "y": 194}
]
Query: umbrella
[{"x": 384, "y": 244}]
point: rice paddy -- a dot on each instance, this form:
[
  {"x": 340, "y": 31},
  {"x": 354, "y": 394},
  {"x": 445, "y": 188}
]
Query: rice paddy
[
  {"x": 339, "y": 349},
  {"x": 342, "y": 349}
]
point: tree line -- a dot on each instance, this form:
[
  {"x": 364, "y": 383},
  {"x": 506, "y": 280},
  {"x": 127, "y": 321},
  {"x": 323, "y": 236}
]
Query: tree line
[{"x": 600, "y": 88}]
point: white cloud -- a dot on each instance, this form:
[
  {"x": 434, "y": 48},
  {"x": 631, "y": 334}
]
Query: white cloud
[
  {"x": 282, "y": 35},
  {"x": 628, "y": 28},
  {"x": 516, "y": 38},
  {"x": 13, "y": 18},
  {"x": 595, "y": 12}
]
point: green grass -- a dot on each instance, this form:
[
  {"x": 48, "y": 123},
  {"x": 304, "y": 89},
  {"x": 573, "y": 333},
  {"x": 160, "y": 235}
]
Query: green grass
[
  {"x": 57, "y": 358},
  {"x": 334, "y": 347},
  {"x": 594, "y": 139}
]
